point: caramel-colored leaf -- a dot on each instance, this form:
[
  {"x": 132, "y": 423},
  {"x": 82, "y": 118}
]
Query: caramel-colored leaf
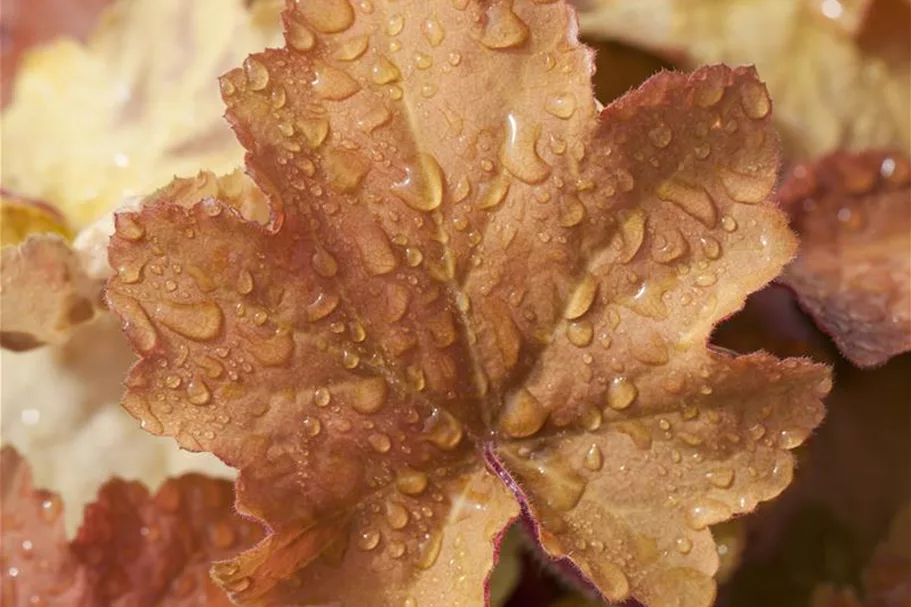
[
  {"x": 853, "y": 272},
  {"x": 44, "y": 292},
  {"x": 138, "y": 103},
  {"x": 474, "y": 292},
  {"x": 133, "y": 549},
  {"x": 839, "y": 71}
]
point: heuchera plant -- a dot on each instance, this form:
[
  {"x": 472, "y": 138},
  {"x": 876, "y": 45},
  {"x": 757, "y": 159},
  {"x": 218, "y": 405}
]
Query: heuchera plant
[{"x": 478, "y": 297}]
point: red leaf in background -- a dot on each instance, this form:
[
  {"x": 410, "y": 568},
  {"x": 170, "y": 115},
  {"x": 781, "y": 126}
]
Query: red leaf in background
[
  {"x": 853, "y": 270},
  {"x": 133, "y": 549}
]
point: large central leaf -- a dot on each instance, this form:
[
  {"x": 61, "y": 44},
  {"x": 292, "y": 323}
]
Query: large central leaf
[{"x": 476, "y": 292}]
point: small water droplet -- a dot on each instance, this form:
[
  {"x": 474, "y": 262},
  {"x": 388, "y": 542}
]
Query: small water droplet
[
  {"x": 594, "y": 459},
  {"x": 422, "y": 187},
  {"x": 321, "y": 397},
  {"x": 443, "y": 429},
  {"x": 581, "y": 299},
  {"x": 198, "y": 393},
  {"x": 244, "y": 282},
  {"x": 333, "y": 84},
  {"x": 199, "y": 322},
  {"x": 683, "y": 544},
  {"x": 368, "y": 539},
  {"x": 381, "y": 443},
  {"x": 503, "y": 28},
  {"x": 728, "y": 224},
  {"x": 722, "y": 478},
  {"x": 661, "y": 135},
  {"x": 384, "y": 71},
  {"x": 518, "y": 154},
  {"x": 433, "y": 31},
  {"x": 695, "y": 201},
  {"x": 326, "y": 16},
  {"x": 429, "y": 549},
  {"x": 580, "y": 333},
  {"x": 755, "y": 100},
  {"x": 126, "y": 226},
  {"x": 707, "y": 512},
  {"x": 562, "y": 106}
]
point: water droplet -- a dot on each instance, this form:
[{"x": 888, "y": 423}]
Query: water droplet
[
  {"x": 433, "y": 31},
  {"x": 344, "y": 170},
  {"x": 443, "y": 429},
  {"x": 621, "y": 392},
  {"x": 572, "y": 213},
  {"x": 312, "y": 426},
  {"x": 611, "y": 580},
  {"x": 394, "y": 25},
  {"x": 396, "y": 515},
  {"x": 562, "y": 106},
  {"x": 376, "y": 253},
  {"x": 637, "y": 432},
  {"x": 368, "y": 539},
  {"x": 51, "y": 508},
  {"x": 273, "y": 351},
  {"x": 709, "y": 89},
  {"x": 429, "y": 550},
  {"x": 518, "y": 154},
  {"x": 351, "y": 49},
  {"x": 722, "y": 478},
  {"x": 710, "y": 246},
  {"x": 324, "y": 263},
  {"x": 200, "y": 322},
  {"x": 494, "y": 192},
  {"x": 669, "y": 246},
  {"x": 350, "y": 359},
  {"x": 594, "y": 459},
  {"x": 413, "y": 257},
  {"x": 411, "y": 482},
  {"x": 380, "y": 442},
  {"x": 198, "y": 393},
  {"x": 683, "y": 544},
  {"x": 422, "y": 187},
  {"x": 256, "y": 73},
  {"x": 324, "y": 305},
  {"x": 321, "y": 397},
  {"x": 523, "y": 415},
  {"x": 728, "y": 224},
  {"x": 702, "y": 151},
  {"x": 580, "y": 333},
  {"x": 127, "y": 227},
  {"x": 695, "y": 201},
  {"x": 707, "y": 512},
  {"x": 369, "y": 395},
  {"x": 503, "y": 28},
  {"x": 551, "y": 478},
  {"x": 789, "y": 438},
  {"x": 748, "y": 188},
  {"x": 581, "y": 299},
  {"x": 384, "y": 71},
  {"x": 661, "y": 135},
  {"x": 333, "y": 84},
  {"x": 755, "y": 100},
  {"x": 454, "y": 58},
  {"x": 244, "y": 282},
  {"x": 327, "y": 16}
]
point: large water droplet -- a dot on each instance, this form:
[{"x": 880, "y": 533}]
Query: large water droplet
[
  {"x": 368, "y": 539},
  {"x": 137, "y": 325},
  {"x": 411, "y": 482},
  {"x": 369, "y": 396},
  {"x": 707, "y": 512},
  {"x": 621, "y": 393},
  {"x": 273, "y": 351},
  {"x": 693, "y": 200},
  {"x": 443, "y": 429},
  {"x": 376, "y": 253},
  {"x": 384, "y": 71},
  {"x": 380, "y": 442},
  {"x": 422, "y": 187},
  {"x": 503, "y": 28},
  {"x": 429, "y": 549},
  {"x": 748, "y": 188},
  {"x": 200, "y": 321},
  {"x": 433, "y": 31},
  {"x": 721, "y": 477},
  {"x": 351, "y": 49},
  {"x": 518, "y": 154},
  {"x": 396, "y": 515},
  {"x": 581, "y": 299},
  {"x": 198, "y": 393},
  {"x": 256, "y": 73},
  {"x": 661, "y": 135},
  {"x": 523, "y": 415},
  {"x": 562, "y": 106},
  {"x": 126, "y": 226},
  {"x": 755, "y": 100},
  {"x": 326, "y": 16},
  {"x": 333, "y": 84},
  {"x": 580, "y": 333}
]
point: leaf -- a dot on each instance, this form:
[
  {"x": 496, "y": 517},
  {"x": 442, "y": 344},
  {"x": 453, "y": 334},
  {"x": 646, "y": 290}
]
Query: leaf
[
  {"x": 137, "y": 104},
  {"x": 474, "y": 290},
  {"x": 885, "y": 581},
  {"x": 44, "y": 292},
  {"x": 26, "y": 23},
  {"x": 133, "y": 548},
  {"x": 853, "y": 212},
  {"x": 839, "y": 72}
]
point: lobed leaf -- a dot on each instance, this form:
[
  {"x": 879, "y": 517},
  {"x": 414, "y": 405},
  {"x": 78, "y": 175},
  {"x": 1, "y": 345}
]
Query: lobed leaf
[
  {"x": 853, "y": 273},
  {"x": 474, "y": 293},
  {"x": 840, "y": 72},
  {"x": 133, "y": 549}
]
